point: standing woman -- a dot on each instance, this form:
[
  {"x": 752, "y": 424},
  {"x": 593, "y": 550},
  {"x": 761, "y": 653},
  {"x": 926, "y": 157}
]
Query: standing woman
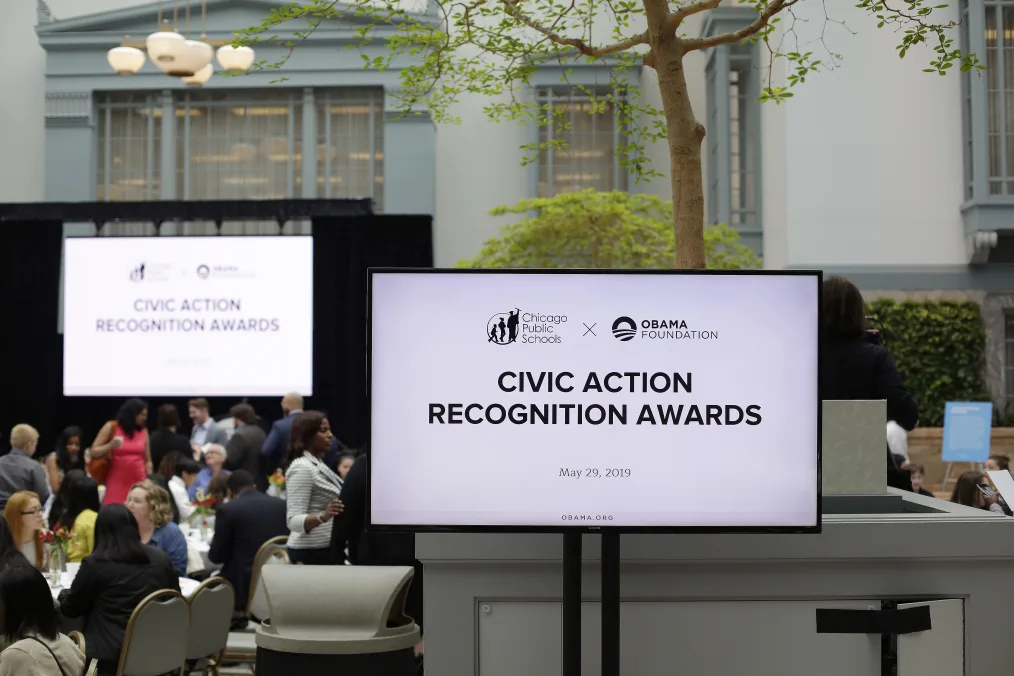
[
  {"x": 23, "y": 515},
  {"x": 67, "y": 455},
  {"x": 311, "y": 489},
  {"x": 124, "y": 442}
]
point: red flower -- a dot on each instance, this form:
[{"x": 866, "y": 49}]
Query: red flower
[{"x": 47, "y": 536}]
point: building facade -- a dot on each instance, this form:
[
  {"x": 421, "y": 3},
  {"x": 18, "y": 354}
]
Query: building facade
[{"x": 899, "y": 179}]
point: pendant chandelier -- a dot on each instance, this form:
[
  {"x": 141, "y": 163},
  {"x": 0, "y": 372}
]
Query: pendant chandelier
[{"x": 176, "y": 55}]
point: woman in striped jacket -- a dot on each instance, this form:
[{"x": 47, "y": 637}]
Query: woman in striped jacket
[{"x": 311, "y": 490}]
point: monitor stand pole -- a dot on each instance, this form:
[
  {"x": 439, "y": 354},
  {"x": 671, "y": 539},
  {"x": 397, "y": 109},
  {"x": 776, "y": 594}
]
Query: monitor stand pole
[
  {"x": 571, "y": 643},
  {"x": 610, "y": 603}
]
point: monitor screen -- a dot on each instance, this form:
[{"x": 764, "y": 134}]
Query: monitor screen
[
  {"x": 179, "y": 316},
  {"x": 538, "y": 400}
]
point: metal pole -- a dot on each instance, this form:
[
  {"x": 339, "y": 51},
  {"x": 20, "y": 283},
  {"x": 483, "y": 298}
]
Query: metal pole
[
  {"x": 571, "y": 644},
  {"x": 610, "y": 604}
]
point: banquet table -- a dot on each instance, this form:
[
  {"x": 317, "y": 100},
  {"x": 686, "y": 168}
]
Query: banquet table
[
  {"x": 187, "y": 586},
  {"x": 201, "y": 545}
]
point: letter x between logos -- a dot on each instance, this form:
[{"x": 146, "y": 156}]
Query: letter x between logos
[{"x": 589, "y": 328}]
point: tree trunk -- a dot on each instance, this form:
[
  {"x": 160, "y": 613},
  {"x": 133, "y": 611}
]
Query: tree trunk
[{"x": 685, "y": 136}]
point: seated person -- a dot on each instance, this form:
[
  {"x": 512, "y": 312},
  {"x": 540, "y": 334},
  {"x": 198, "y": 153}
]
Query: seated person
[
  {"x": 214, "y": 458},
  {"x": 967, "y": 492},
  {"x": 30, "y": 626},
  {"x": 150, "y": 506},
  {"x": 83, "y": 506},
  {"x": 180, "y": 472},
  {"x": 241, "y": 527},
  {"x": 918, "y": 474},
  {"x": 118, "y": 575}
]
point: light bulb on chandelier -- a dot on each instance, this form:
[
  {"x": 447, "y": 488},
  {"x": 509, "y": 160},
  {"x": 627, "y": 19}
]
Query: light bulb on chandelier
[
  {"x": 165, "y": 45},
  {"x": 200, "y": 77},
  {"x": 235, "y": 59},
  {"x": 125, "y": 60}
]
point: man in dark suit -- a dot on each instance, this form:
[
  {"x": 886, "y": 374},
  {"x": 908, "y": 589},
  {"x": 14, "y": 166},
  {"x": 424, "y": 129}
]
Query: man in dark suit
[
  {"x": 242, "y": 526},
  {"x": 274, "y": 447},
  {"x": 244, "y": 448}
]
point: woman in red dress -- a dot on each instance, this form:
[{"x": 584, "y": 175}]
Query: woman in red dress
[{"x": 125, "y": 442}]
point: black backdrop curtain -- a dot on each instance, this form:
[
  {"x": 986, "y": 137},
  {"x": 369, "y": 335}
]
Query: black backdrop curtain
[
  {"x": 31, "y": 351},
  {"x": 344, "y": 247}
]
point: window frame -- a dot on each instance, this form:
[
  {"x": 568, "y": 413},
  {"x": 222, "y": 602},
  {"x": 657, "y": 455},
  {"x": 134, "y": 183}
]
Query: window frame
[
  {"x": 172, "y": 126},
  {"x": 980, "y": 211},
  {"x": 551, "y": 95},
  {"x": 597, "y": 74},
  {"x": 721, "y": 62}
]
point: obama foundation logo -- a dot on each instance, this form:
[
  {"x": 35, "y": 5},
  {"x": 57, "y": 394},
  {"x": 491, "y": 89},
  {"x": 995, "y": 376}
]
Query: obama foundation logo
[
  {"x": 527, "y": 328},
  {"x": 624, "y": 328}
]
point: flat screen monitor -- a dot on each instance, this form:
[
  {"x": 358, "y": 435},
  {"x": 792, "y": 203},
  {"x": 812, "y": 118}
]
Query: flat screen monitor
[
  {"x": 179, "y": 316},
  {"x": 553, "y": 400}
]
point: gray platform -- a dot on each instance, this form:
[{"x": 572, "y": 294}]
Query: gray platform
[{"x": 734, "y": 604}]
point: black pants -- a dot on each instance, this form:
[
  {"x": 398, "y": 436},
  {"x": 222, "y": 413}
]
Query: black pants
[{"x": 310, "y": 557}]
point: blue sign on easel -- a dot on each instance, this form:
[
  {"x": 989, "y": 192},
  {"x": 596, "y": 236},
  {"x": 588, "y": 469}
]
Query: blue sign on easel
[{"x": 967, "y": 428}]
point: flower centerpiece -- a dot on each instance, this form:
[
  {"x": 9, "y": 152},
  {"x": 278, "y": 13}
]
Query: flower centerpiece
[
  {"x": 204, "y": 506},
  {"x": 277, "y": 481},
  {"x": 58, "y": 541}
]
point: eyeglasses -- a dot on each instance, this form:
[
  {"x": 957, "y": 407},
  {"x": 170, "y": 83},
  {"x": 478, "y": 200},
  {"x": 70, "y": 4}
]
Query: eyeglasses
[{"x": 31, "y": 512}]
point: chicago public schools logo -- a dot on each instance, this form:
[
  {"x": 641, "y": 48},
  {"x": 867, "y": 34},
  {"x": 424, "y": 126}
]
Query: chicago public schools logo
[
  {"x": 502, "y": 328},
  {"x": 625, "y": 328},
  {"x": 203, "y": 271},
  {"x": 137, "y": 274}
]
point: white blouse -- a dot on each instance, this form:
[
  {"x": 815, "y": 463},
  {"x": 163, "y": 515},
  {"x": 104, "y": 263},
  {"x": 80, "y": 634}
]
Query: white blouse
[
  {"x": 179, "y": 490},
  {"x": 309, "y": 486}
]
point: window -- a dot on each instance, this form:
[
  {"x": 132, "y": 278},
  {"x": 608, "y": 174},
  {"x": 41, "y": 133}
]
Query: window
[
  {"x": 129, "y": 148},
  {"x": 999, "y": 61},
  {"x": 589, "y": 128},
  {"x": 733, "y": 137},
  {"x": 238, "y": 145},
  {"x": 350, "y": 143}
]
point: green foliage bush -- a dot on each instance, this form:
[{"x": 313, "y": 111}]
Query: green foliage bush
[
  {"x": 940, "y": 350},
  {"x": 592, "y": 229}
]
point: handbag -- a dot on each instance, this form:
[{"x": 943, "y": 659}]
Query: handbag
[{"x": 98, "y": 468}]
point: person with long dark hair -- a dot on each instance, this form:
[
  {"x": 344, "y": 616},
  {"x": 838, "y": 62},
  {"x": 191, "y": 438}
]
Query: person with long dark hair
[
  {"x": 124, "y": 442},
  {"x": 68, "y": 455},
  {"x": 111, "y": 582},
  {"x": 83, "y": 505},
  {"x": 30, "y": 621},
  {"x": 853, "y": 368},
  {"x": 311, "y": 489},
  {"x": 167, "y": 437}
]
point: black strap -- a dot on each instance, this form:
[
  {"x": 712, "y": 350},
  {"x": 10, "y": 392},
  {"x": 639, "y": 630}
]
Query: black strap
[
  {"x": 896, "y": 621},
  {"x": 52, "y": 654}
]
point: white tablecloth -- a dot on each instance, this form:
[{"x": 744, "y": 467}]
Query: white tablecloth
[
  {"x": 202, "y": 546},
  {"x": 187, "y": 586}
]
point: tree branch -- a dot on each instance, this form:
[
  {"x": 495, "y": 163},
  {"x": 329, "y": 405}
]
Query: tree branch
[
  {"x": 743, "y": 33},
  {"x": 672, "y": 23},
  {"x": 580, "y": 45}
]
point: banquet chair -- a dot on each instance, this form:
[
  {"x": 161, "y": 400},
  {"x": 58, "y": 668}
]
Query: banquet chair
[
  {"x": 79, "y": 641},
  {"x": 271, "y": 552},
  {"x": 155, "y": 642},
  {"x": 241, "y": 647},
  {"x": 211, "y": 607}
]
